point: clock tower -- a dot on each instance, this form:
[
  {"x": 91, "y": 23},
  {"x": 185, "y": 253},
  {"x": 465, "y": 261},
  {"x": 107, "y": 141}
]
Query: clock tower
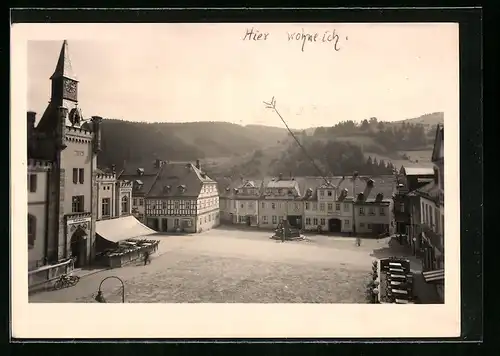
[{"x": 64, "y": 82}]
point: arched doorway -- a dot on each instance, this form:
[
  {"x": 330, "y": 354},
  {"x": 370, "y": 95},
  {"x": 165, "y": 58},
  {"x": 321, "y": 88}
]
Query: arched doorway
[
  {"x": 334, "y": 225},
  {"x": 78, "y": 246}
]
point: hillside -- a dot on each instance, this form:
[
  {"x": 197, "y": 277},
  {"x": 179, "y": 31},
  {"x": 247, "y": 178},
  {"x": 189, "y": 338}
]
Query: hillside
[
  {"x": 134, "y": 141},
  {"x": 231, "y": 149}
]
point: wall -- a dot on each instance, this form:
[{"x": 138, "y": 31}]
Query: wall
[
  {"x": 38, "y": 208},
  {"x": 208, "y": 221},
  {"x": 363, "y": 222},
  {"x": 246, "y": 207},
  {"x": 36, "y": 254},
  {"x": 138, "y": 207},
  {"x": 77, "y": 155},
  {"x": 266, "y": 212},
  {"x": 106, "y": 190}
]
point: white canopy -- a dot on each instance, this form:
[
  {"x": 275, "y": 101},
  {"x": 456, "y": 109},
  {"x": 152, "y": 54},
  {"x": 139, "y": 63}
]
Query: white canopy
[{"x": 122, "y": 228}]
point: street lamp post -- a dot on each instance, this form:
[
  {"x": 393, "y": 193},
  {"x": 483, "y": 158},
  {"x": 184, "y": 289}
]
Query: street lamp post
[{"x": 100, "y": 298}]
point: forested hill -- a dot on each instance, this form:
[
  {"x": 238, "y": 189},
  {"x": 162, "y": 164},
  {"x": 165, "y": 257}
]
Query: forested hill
[{"x": 136, "y": 141}]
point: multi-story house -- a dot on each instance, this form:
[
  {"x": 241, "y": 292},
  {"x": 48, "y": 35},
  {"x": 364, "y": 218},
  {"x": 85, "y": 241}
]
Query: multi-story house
[
  {"x": 142, "y": 179},
  {"x": 372, "y": 204},
  {"x": 408, "y": 179},
  {"x": 245, "y": 198},
  {"x": 71, "y": 143},
  {"x": 182, "y": 198},
  {"x": 278, "y": 201},
  {"x": 427, "y": 226},
  {"x": 38, "y": 190},
  {"x": 321, "y": 208}
]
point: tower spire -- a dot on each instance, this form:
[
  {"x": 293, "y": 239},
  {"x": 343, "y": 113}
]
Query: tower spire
[{"x": 63, "y": 67}]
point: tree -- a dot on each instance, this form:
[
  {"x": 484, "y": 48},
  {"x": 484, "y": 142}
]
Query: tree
[
  {"x": 319, "y": 131},
  {"x": 365, "y": 125},
  {"x": 381, "y": 126},
  {"x": 373, "y": 121}
]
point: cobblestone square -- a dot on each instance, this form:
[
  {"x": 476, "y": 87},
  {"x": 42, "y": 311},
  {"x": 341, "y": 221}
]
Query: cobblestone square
[{"x": 237, "y": 266}]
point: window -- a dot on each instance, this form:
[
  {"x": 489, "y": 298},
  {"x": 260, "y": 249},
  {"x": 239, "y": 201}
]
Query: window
[
  {"x": 210, "y": 217},
  {"x": 361, "y": 211},
  {"x": 307, "y": 206},
  {"x": 402, "y": 207},
  {"x": 329, "y": 193},
  {"x": 315, "y": 206},
  {"x": 82, "y": 174},
  {"x": 163, "y": 204},
  {"x": 105, "y": 207},
  {"x": 176, "y": 222},
  {"x": 125, "y": 208},
  {"x": 234, "y": 204},
  {"x": 371, "y": 210},
  {"x": 361, "y": 224},
  {"x": 322, "y": 193},
  {"x": 296, "y": 206},
  {"x": 322, "y": 206},
  {"x": 188, "y": 206},
  {"x": 75, "y": 175},
  {"x": 32, "y": 180},
  {"x": 264, "y": 218},
  {"x": 382, "y": 211},
  {"x": 315, "y": 221},
  {"x": 369, "y": 226},
  {"x": 176, "y": 205},
  {"x": 250, "y": 204},
  {"x": 273, "y": 206},
  {"x": 31, "y": 231},
  {"x": 330, "y": 206},
  {"x": 134, "y": 202},
  {"x": 346, "y": 222},
  {"x": 77, "y": 204},
  {"x": 242, "y": 205},
  {"x": 263, "y": 205},
  {"x": 346, "y": 207},
  {"x": 141, "y": 202},
  {"x": 205, "y": 219},
  {"x": 322, "y": 221},
  {"x": 337, "y": 206},
  {"x": 275, "y": 219},
  {"x": 308, "y": 221}
]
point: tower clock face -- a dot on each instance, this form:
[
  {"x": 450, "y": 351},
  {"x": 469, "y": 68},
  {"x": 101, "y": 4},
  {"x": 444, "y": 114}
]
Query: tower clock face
[{"x": 70, "y": 88}]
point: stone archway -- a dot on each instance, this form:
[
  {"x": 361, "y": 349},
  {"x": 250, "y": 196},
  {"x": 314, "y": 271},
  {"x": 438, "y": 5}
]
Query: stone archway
[{"x": 78, "y": 246}]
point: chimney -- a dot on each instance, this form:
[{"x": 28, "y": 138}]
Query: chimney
[
  {"x": 198, "y": 164},
  {"x": 157, "y": 163},
  {"x": 113, "y": 168}
]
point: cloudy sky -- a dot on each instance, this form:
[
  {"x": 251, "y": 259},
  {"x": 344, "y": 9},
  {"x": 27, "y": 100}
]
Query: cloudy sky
[{"x": 208, "y": 72}]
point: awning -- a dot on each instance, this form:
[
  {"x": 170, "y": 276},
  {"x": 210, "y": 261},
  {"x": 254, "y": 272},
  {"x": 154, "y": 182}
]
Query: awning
[
  {"x": 434, "y": 276},
  {"x": 127, "y": 227}
]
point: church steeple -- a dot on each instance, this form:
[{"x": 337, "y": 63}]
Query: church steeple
[
  {"x": 63, "y": 67},
  {"x": 64, "y": 82}
]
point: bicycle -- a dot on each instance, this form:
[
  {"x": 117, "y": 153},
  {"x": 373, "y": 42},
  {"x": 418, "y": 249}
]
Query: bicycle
[{"x": 66, "y": 281}]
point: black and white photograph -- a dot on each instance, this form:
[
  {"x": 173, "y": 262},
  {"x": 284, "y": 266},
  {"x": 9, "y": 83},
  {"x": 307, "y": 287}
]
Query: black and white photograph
[{"x": 242, "y": 164}]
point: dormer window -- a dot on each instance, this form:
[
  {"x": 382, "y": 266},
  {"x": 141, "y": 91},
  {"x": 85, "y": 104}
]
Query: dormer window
[
  {"x": 236, "y": 190},
  {"x": 140, "y": 171},
  {"x": 290, "y": 192},
  {"x": 379, "y": 197},
  {"x": 166, "y": 189},
  {"x": 369, "y": 183},
  {"x": 361, "y": 197},
  {"x": 181, "y": 188}
]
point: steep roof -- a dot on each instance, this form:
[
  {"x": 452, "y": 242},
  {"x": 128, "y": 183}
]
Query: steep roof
[
  {"x": 385, "y": 184},
  {"x": 179, "y": 179},
  {"x": 63, "y": 67}
]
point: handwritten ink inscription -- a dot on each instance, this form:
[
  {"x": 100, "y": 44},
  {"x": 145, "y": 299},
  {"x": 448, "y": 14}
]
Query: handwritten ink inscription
[
  {"x": 303, "y": 37},
  {"x": 326, "y": 37},
  {"x": 254, "y": 35}
]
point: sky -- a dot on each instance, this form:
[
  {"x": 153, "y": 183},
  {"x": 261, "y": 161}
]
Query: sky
[{"x": 211, "y": 72}]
